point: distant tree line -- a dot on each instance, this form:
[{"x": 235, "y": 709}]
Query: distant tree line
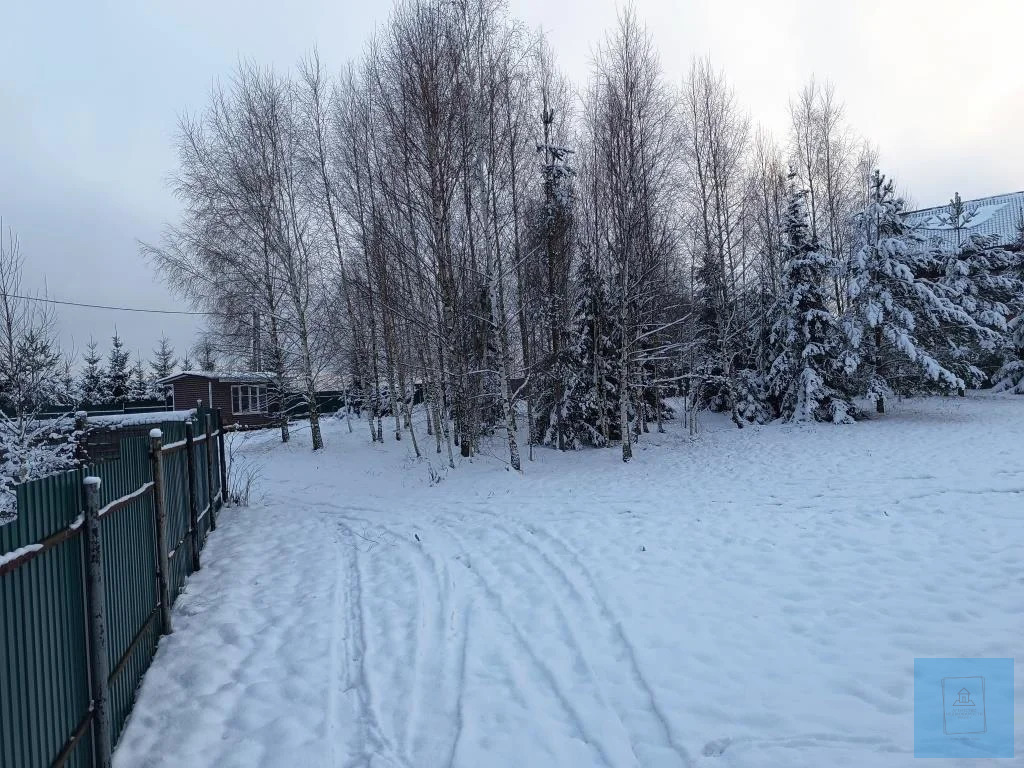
[
  {"x": 114, "y": 378},
  {"x": 549, "y": 262}
]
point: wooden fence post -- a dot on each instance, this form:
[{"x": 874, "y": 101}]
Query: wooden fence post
[
  {"x": 98, "y": 665},
  {"x": 208, "y": 423},
  {"x": 160, "y": 516},
  {"x": 193, "y": 504},
  {"x": 223, "y": 459}
]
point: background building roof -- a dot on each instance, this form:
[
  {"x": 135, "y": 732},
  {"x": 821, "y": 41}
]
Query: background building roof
[
  {"x": 995, "y": 215},
  {"x": 236, "y": 377}
]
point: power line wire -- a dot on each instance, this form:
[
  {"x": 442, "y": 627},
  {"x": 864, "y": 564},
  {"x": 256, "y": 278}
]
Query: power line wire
[{"x": 105, "y": 306}]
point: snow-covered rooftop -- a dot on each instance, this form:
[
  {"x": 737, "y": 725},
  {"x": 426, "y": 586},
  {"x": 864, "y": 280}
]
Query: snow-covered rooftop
[
  {"x": 235, "y": 376},
  {"x": 996, "y": 215}
]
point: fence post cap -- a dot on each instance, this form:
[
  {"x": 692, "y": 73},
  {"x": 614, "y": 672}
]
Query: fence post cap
[
  {"x": 156, "y": 434},
  {"x": 92, "y": 480}
]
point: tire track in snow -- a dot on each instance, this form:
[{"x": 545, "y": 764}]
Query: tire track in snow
[
  {"x": 336, "y": 657},
  {"x": 718, "y": 747},
  {"x": 614, "y": 624},
  {"x": 604, "y": 622},
  {"x": 440, "y": 625},
  {"x": 493, "y": 596},
  {"x": 370, "y": 733},
  {"x": 437, "y": 672},
  {"x": 712, "y": 749},
  {"x": 493, "y": 599},
  {"x": 715, "y": 747}
]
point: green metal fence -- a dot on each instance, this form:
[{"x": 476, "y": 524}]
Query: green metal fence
[{"x": 47, "y": 695}]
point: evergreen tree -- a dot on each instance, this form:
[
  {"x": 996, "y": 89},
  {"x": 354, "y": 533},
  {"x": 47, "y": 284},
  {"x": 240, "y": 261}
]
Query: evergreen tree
[
  {"x": 586, "y": 411},
  {"x": 138, "y": 386},
  {"x": 887, "y": 304},
  {"x": 1010, "y": 378},
  {"x": 91, "y": 380},
  {"x": 34, "y": 382},
  {"x": 116, "y": 375},
  {"x": 959, "y": 216},
  {"x": 982, "y": 279},
  {"x": 69, "y": 392},
  {"x": 550, "y": 237},
  {"x": 206, "y": 355},
  {"x": 1018, "y": 242},
  {"x": 31, "y": 445},
  {"x": 806, "y": 379},
  {"x": 164, "y": 362},
  {"x": 751, "y": 395}
]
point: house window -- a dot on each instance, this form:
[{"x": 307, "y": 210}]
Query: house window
[{"x": 248, "y": 398}]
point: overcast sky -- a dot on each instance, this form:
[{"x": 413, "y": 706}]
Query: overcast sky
[{"x": 90, "y": 93}]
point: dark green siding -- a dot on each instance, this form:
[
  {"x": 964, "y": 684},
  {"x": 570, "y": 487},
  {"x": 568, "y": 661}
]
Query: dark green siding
[{"x": 44, "y": 669}]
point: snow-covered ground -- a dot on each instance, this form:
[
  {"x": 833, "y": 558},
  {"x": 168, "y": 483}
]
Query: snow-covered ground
[{"x": 748, "y": 598}]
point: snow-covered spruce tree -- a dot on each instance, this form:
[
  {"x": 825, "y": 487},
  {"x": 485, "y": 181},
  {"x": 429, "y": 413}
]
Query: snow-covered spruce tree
[
  {"x": 164, "y": 362},
  {"x": 206, "y": 355},
  {"x": 983, "y": 279},
  {"x": 806, "y": 380},
  {"x": 138, "y": 384},
  {"x": 69, "y": 387},
  {"x": 587, "y": 409},
  {"x": 117, "y": 373},
  {"x": 1010, "y": 377},
  {"x": 90, "y": 383},
  {"x": 887, "y": 303},
  {"x": 31, "y": 368},
  {"x": 551, "y": 237},
  {"x": 1017, "y": 246}
]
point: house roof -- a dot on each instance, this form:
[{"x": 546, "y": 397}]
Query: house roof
[
  {"x": 996, "y": 215},
  {"x": 233, "y": 377}
]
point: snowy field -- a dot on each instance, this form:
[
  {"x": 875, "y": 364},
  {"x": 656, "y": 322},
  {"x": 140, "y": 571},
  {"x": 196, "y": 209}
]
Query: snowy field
[{"x": 748, "y": 598}]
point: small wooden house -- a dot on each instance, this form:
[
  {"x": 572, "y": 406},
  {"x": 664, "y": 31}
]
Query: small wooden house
[{"x": 242, "y": 397}]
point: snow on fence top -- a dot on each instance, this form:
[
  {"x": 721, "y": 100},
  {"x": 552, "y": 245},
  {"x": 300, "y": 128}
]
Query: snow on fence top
[
  {"x": 141, "y": 419},
  {"x": 20, "y": 552}
]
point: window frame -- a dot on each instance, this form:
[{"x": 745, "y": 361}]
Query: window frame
[{"x": 249, "y": 400}]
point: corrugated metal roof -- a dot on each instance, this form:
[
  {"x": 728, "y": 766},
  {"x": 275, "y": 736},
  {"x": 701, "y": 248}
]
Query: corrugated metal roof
[{"x": 996, "y": 215}]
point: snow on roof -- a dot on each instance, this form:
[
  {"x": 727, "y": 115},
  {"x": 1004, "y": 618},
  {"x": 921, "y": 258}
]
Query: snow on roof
[
  {"x": 239, "y": 376},
  {"x": 996, "y": 215}
]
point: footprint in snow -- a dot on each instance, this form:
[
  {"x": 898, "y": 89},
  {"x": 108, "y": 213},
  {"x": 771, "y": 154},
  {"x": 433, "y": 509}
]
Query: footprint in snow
[{"x": 716, "y": 747}]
